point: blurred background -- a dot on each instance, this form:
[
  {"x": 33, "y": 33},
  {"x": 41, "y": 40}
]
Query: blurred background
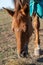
[{"x": 6, "y": 4}]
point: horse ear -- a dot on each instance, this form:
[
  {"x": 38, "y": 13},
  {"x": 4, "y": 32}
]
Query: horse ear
[
  {"x": 26, "y": 8},
  {"x": 9, "y": 11}
]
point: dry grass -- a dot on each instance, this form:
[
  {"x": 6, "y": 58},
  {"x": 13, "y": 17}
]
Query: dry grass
[{"x": 8, "y": 55}]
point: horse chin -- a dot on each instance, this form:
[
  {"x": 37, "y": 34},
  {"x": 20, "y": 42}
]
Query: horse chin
[
  {"x": 23, "y": 55},
  {"x": 24, "y": 52}
]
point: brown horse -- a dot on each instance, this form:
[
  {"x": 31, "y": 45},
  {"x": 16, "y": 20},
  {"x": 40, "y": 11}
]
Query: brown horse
[
  {"x": 36, "y": 25},
  {"x": 22, "y": 26}
]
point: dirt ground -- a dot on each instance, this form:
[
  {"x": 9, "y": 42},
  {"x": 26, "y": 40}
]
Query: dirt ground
[{"x": 8, "y": 54}]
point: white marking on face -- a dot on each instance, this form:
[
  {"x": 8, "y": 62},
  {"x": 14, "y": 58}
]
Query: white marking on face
[{"x": 17, "y": 29}]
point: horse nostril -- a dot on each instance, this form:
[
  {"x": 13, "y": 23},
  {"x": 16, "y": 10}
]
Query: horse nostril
[{"x": 13, "y": 29}]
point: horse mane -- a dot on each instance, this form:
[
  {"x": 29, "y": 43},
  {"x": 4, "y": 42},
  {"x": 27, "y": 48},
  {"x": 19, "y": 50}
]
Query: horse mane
[
  {"x": 26, "y": 9},
  {"x": 22, "y": 13}
]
